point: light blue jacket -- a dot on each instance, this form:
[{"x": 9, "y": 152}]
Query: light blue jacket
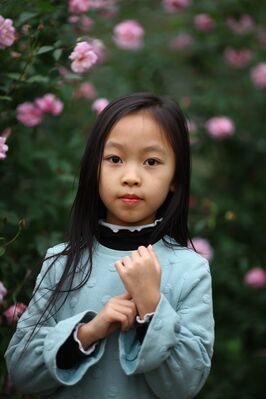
[{"x": 173, "y": 361}]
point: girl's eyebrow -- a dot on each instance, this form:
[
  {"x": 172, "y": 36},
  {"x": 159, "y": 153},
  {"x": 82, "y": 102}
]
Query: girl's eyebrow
[{"x": 155, "y": 147}]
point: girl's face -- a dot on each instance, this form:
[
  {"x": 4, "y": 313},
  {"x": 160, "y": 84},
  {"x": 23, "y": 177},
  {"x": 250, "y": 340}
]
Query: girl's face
[{"x": 137, "y": 170}]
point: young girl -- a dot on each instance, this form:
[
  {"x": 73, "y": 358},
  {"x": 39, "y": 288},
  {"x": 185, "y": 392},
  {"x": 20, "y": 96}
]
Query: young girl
[{"x": 124, "y": 308}]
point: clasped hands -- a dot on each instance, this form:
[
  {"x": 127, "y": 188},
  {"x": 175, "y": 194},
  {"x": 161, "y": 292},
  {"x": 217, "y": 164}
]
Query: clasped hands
[{"x": 141, "y": 276}]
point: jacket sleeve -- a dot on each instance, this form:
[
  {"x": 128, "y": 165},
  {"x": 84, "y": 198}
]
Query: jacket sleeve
[
  {"x": 31, "y": 355},
  {"x": 175, "y": 356}
]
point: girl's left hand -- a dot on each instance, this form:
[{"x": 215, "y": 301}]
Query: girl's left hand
[{"x": 141, "y": 276}]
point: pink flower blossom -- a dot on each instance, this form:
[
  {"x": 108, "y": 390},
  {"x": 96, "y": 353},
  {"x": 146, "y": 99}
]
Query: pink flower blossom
[
  {"x": 181, "y": 41},
  {"x": 99, "y": 49},
  {"x": 73, "y": 19},
  {"x": 29, "y": 114},
  {"x": 3, "y": 137},
  {"x": 243, "y": 25},
  {"x": 203, "y": 247},
  {"x": 3, "y": 291},
  {"x": 78, "y": 6},
  {"x": 13, "y": 313},
  {"x": 220, "y": 127},
  {"x": 258, "y": 75},
  {"x": 99, "y": 105},
  {"x": 83, "y": 57},
  {"x": 50, "y": 103},
  {"x": 63, "y": 71},
  {"x": 175, "y": 5},
  {"x": 85, "y": 23},
  {"x": 81, "y": 23},
  {"x": 237, "y": 59},
  {"x": 86, "y": 90},
  {"x": 255, "y": 277},
  {"x": 7, "y": 32},
  {"x": 204, "y": 22},
  {"x": 128, "y": 35},
  {"x": 3, "y": 148},
  {"x": 109, "y": 13},
  {"x": 81, "y": 6},
  {"x": 101, "y": 3}
]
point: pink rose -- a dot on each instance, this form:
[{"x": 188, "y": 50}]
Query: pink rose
[
  {"x": 85, "y": 23},
  {"x": 83, "y": 57},
  {"x": 50, "y": 103},
  {"x": 237, "y": 59},
  {"x": 3, "y": 151},
  {"x": 204, "y": 22},
  {"x": 3, "y": 291},
  {"x": 108, "y": 13},
  {"x": 203, "y": 247},
  {"x": 78, "y": 6},
  {"x": 86, "y": 90},
  {"x": 73, "y": 19},
  {"x": 99, "y": 105},
  {"x": 82, "y": 23},
  {"x": 128, "y": 35},
  {"x": 29, "y": 114},
  {"x": 99, "y": 49},
  {"x": 101, "y": 3},
  {"x": 7, "y": 32},
  {"x": 175, "y": 5},
  {"x": 181, "y": 41},
  {"x": 13, "y": 313},
  {"x": 258, "y": 75},
  {"x": 220, "y": 127},
  {"x": 243, "y": 25},
  {"x": 255, "y": 278}
]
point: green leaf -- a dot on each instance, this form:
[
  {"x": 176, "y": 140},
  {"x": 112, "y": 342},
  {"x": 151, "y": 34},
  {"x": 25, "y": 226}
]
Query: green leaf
[
  {"x": 5, "y": 98},
  {"x": 13, "y": 75},
  {"x": 2, "y": 251},
  {"x": 25, "y": 16},
  {"x": 57, "y": 54},
  {"x": 44, "y": 49},
  {"x": 38, "y": 79}
]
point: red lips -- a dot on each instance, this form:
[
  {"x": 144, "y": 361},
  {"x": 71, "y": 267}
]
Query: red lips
[{"x": 130, "y": 196}]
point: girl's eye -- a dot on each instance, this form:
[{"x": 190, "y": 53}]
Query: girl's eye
[
  {"x": 152, "y": 162},
  {"x": 114, "y": 159}
]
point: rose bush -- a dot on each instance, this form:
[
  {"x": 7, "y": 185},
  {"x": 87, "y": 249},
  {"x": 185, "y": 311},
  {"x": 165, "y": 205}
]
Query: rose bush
[{"x": 61, "y": 62}]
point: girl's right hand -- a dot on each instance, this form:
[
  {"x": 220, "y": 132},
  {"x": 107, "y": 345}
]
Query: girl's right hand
[{"x": 119, "y": 311}]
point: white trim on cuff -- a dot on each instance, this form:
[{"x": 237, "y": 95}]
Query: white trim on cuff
[
  {"x": 147, "y": 318},
  {"x": 75, "y": 336}
]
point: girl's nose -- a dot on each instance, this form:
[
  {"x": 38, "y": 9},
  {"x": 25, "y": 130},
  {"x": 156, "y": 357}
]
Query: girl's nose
[{"x": 131, "y": 177}]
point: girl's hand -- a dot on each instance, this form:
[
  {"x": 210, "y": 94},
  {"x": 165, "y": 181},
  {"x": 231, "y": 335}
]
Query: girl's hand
[
  {"x": 141, "y": 276},
  {"x": 119, "y": 311}
]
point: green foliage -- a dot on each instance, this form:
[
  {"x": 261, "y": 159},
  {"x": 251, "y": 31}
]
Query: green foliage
[{"x": 39, "y": 174}]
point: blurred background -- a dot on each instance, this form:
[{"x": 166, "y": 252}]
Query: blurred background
[{"x": 61, "y": 63}]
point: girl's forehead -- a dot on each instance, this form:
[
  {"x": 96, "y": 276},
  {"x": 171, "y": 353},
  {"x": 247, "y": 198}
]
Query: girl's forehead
[{"x": 138, "y": 129}]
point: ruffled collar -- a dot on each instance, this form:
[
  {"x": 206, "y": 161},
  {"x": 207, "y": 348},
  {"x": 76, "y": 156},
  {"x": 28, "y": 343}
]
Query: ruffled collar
[{"x": 126, "y": 237}]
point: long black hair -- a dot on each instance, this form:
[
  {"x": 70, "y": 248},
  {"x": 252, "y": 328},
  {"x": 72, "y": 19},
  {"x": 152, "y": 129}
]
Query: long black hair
[{"x": 88, "y": 207}]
